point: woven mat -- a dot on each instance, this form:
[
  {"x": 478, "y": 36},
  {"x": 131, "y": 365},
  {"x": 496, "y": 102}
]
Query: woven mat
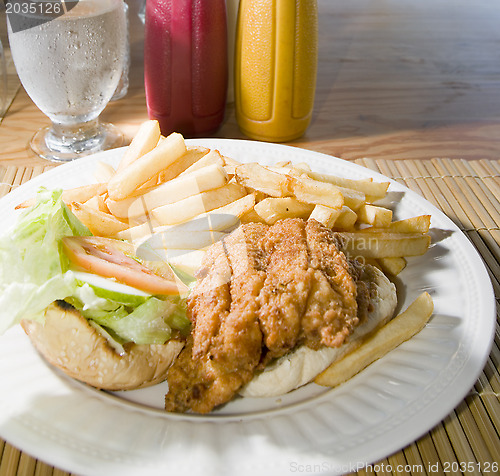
[
  {"x": 466, "y": 441},
  {"x": 9, "y": 87}
]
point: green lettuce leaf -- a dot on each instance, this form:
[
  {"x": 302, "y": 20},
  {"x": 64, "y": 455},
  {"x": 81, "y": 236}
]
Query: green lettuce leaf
[
  {"x": 32, "y": 265},
  {"x": 150, "y": 322},
  {"x": 146, "y": 324}
]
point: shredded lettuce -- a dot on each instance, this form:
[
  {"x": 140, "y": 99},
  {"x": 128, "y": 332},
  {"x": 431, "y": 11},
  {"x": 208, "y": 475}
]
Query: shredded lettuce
[
  {"x": 33, "y": 269},
  {"x": 34, "y": 272},
  {"x": 144, "y": 325},
  {"x": 149, "y": 322}
]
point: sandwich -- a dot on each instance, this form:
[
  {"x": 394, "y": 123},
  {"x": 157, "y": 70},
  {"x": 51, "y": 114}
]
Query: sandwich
[
  {"x": 272, "y": 307},
  {"x": 88, "y": 304}
]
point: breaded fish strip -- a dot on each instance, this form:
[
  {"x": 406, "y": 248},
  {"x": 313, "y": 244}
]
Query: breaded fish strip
[{"x": 213, "y": 367}]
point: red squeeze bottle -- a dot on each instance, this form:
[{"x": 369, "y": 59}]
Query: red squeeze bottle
[{"x": 185, "y": 64}]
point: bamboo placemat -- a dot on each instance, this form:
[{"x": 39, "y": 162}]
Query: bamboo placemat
[
  {"x": 467, "y": 441},
  {"x": 11, "y": 85}
]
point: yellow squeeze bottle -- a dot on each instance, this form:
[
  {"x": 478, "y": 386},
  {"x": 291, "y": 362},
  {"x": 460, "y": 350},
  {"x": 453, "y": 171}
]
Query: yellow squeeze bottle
[{"x": 276, "y": 56}]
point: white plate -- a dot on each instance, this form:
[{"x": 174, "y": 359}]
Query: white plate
[{"x": 311, "y": 430}]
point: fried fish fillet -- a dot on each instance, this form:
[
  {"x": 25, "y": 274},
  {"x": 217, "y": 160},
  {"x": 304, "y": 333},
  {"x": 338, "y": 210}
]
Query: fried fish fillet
[
  {"x": 261, "y": 292},
  {"x": 226, "y": 342}
]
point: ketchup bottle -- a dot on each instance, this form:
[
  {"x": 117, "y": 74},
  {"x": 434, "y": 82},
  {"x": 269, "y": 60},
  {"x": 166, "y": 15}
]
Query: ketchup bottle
[
  {"x": 276, "y": 56},
  {"x": 185, "y": 64}
]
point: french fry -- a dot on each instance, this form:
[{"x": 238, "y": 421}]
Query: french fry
[
  {"x": 392, "y": 266},
  {"x": 77, "y": 194},
  {"x": 99, "y": 223},
  {"x": 400, "y": 329},
  {"x": 129, "y": 208},
  {"x": 298, "y": 170},
  {"x": 152, "y": 182},
  {"x": 103, "y": 172},
  {"x": 377, "y": 216},
  {"x": 230, "y": 165},
  {"x": 98, "y": 202},
  {"x": 207, "y": 178},
  {"x": 144, "y": 141},
  {"x": 284, "y": 169},
  {"x": 385, "y": 245},
  {"x": 187, "y": 261},
  {"x": 262, "y": 179},
  {"x": 219, "y": 219},
  {"x": 212, "y": 158},
  {"x": 317, "y": 193},
  {"x": 283, "y": 164},
  {"x": 375, "y": 190},
  {"x": 237, "y": 208},
  {"x": 273, "y": 209},
  {"x": 252, "y": 217},
  {"x": 302, "y": 166},
  {"x": 102, "y": 203},
  {"x": 192, "y": 155},
  {"x": 353, "y": 199},
  {"x": 418, "y": 224},
  {"x": 325, "y": 215},
  {"x": 214, "y": 221},
  {"x": 124, "y": 182},
  {"x": 93, "y": 202},
  {"x": 230, "y": 161},
  {"x": 190, "y": 207},
  {"x": 177, "y": 238},
  {"x": 136, "y": 233},
  {"x": 346, "y": 219},
  {"x": 83, "y": 193},
  {"x": 230, "y": 170}
]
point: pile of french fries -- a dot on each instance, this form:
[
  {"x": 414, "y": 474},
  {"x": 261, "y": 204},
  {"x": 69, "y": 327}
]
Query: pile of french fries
[
  {"x": 191, "y": 196},
  {"x": 180, "y": 199}
]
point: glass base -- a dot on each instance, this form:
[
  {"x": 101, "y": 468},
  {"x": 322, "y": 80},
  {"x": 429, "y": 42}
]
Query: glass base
[{"x": 49, "y": 144}]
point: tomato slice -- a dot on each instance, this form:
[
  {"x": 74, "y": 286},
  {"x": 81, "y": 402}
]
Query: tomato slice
[{"x": 107, "y": 258}]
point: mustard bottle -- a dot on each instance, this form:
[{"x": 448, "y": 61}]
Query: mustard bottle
[{"x": 276, "y": 56}]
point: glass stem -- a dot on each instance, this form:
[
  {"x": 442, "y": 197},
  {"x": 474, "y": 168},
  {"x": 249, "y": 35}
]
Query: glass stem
[{"x": 71, "y": 134}]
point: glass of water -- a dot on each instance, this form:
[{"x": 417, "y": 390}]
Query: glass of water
[{"x": 69, "y": 57}]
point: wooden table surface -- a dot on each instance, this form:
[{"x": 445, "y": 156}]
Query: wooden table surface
[{"x": 398, "y": 79}]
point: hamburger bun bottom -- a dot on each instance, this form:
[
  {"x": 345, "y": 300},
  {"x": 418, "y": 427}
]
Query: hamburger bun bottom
[{"x": 67, "y": 341}]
